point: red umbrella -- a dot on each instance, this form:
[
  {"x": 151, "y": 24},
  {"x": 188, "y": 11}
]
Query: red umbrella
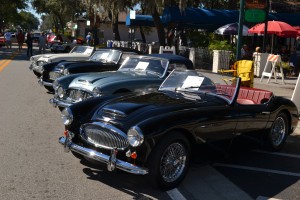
[
  {"x": 278, "y": 28},
  {"x": 298, "y": 29}
]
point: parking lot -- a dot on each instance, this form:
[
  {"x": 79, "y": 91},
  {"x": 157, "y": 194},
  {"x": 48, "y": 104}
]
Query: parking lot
[{"x": 34, "y": 166}]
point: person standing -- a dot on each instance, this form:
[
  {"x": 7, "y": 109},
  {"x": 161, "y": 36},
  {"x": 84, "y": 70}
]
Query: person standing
[
  {"x": 29, "y": 44},
  {"x": 245, "y": 53},
  {"x": 88, "y": 39},
  {"x": 7, "y": 37},
  {"x": 42, "y": 43},
  {"x": 20, "y": 39}
]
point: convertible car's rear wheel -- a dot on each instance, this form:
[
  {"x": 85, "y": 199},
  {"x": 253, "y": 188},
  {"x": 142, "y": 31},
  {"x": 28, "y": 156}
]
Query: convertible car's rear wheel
[
  {"x": 278, "y": 133},
  {"x": 168, "y": 162}
]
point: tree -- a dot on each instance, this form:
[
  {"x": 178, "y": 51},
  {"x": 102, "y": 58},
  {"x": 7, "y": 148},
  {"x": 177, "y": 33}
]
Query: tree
[
  {"x": 28, "y": 21},
  {"x": 9, "y": 12},
  {"x": 60, "y": 11}
]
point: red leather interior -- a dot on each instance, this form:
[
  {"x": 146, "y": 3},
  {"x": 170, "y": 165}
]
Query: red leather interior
[{"x": 248, "y": 95}]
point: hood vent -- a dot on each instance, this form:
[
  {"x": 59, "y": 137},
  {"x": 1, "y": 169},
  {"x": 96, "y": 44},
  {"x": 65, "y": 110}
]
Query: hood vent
[
  {"x": 114, "y": 114},
  {"x": 84, "y": 81}
]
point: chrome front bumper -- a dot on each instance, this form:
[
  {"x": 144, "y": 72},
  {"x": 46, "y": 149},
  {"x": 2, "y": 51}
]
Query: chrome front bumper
[
  {"x": 55, "y": 102},
  {"x": 44, "y": 83},
  {"x": 110, "y": 160}
]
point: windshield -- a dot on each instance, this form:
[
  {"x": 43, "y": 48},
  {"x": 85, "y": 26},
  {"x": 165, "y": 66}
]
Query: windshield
[
  {"x": 100, "y": 55},
  {"x": 82, "y": 49},
  {"x": 144, "y": 64},
  {"x": 195, "y": 82}
]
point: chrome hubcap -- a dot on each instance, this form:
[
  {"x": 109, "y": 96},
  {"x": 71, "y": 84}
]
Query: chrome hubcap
[
  {"x": 173, "y": 162},
  {"x": 278, "y": 131}
]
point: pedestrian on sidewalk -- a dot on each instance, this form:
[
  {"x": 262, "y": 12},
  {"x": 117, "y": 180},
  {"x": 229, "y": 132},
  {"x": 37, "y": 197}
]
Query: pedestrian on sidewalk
[
  {"x": 42, "y": 43},
  {"x": 88, "y": 39},
  {"x": 29, "y": 44},
  {"x": 20, "y": 39},
  {"x": 7, "y": 37}
]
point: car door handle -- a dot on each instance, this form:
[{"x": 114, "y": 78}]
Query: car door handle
[{"x": 265, "y": 113}]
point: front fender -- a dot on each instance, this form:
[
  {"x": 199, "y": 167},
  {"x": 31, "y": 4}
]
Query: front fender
[
  {"x": 84, "y": 110},
  {"x": 50, "y": 66}
]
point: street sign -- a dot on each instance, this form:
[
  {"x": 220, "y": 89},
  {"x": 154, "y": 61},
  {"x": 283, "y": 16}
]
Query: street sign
[
  {"x": 255, "y": 15},
  {"x": 258, "y": 4},
  {"x": 132, "y": 14}
]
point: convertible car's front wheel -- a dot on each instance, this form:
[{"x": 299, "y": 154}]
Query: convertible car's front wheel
[
  {"x": 278, "y": 133},
  {"x": 169, "y": 160}
]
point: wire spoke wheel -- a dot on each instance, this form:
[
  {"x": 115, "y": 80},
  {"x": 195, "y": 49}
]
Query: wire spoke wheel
[
  {"x": 278, "y": 131},
  {"x": 173, "y": 162}
]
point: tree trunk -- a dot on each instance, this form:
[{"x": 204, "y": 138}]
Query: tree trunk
[
  {"x": 142, "y": 34},
  {"x": 159, "y": 26},
  {"x": 115, "y": 23}
]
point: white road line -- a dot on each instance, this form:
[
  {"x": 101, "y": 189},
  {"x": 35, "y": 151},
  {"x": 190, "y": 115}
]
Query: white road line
[
  {"x": 257, "y": 169},
  {"x": 279, "y": 154},
  {"x": 175, "y": 194}
]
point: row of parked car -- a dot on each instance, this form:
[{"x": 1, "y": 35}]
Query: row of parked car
[{"x": 144, "y": 114}]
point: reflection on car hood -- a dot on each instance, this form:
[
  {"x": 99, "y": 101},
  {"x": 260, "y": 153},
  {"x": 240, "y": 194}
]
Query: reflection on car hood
[
  {"x": 94, "y": 79},
  {"x": 54, "y": 55},
  {"x": 153, "y": 104}
]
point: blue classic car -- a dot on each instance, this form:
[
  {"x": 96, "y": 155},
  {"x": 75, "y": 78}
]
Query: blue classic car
[
  {"x": 155, "y": 133},
  {"x": 137, "y": 73}
]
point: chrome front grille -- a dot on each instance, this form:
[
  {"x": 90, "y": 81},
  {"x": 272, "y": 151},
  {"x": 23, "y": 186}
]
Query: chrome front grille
[
  {"x": 104, "y": 136},
  {"x": 78, "y": 95},
  {"x": 54, "y": 75}
]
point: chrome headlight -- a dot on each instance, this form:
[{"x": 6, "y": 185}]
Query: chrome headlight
[
  {"x": 60, "y": 92},
  {"x": 66, "y": 72},
  {"x": 67, "y": 116},
  {"x": 55, "y": 85},
  {"x": 135, "y": 136},
  {"x": 97, "y": 92},
  {"x": 40, "y": 63}
]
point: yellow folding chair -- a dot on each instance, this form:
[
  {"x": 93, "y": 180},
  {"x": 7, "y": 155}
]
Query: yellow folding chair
[{"x": 243, "y": 69}]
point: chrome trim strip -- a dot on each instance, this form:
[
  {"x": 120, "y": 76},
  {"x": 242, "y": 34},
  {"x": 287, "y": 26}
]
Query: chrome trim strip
[
  {"x": 59, "y": 103},
  {"x": 97, "y": 156},
  {"x": 47, "y": 83}
]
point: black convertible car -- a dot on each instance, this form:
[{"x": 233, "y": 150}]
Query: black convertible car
[
  {"x": 105, "y": 59},
  {"x": 137, "y": 73},
  {"x": 154, "y": 133}
]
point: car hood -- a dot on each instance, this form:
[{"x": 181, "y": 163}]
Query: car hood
[
  {"x": 140, "y": 107},
  {"x": 92, "y": 80},
  {"x": 66, "y": 64},
  {"x": 63, "y": 56},
  {"x": 54, "y": 55},
  {"x": 84, "y": 62}
]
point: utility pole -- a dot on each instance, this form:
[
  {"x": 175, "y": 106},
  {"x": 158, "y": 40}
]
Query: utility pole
[
  {"x": 266, "y": 26},
  {"x": 240, "y": 31}
]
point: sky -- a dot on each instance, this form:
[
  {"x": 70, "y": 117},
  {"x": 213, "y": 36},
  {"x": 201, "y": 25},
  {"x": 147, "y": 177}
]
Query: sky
[{"x": 34, "y": 12}]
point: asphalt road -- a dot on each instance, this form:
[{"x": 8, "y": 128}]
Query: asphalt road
[{"x": 34, "y": 166}]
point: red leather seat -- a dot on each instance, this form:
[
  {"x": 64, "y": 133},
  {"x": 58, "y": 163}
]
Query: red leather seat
[{"x": 248, "y": 95}]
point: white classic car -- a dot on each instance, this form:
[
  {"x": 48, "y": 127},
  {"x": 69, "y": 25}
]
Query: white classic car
[{"x": 78, "y": 53}]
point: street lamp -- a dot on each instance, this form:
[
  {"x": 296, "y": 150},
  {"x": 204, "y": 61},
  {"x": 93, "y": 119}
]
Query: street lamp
[{"x": 132, "y": 16}]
